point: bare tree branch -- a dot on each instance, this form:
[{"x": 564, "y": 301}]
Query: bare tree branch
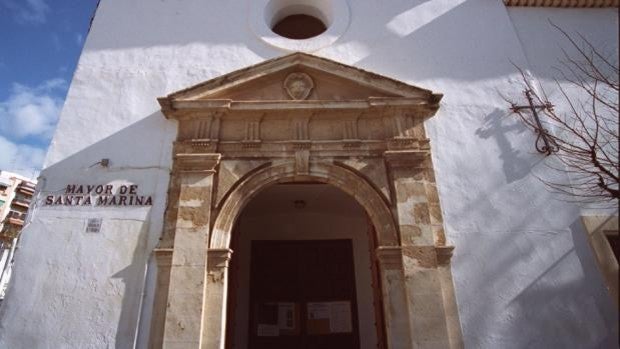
[{"x": 585, "y": 136}]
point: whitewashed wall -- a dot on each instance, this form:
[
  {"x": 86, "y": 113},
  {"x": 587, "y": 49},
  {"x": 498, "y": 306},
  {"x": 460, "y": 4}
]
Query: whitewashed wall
[{"x": 523, "y": 272}]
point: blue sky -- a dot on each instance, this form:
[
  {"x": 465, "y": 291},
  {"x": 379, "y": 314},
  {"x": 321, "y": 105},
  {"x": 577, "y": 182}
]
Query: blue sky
[{"x": 40, "y": 43}]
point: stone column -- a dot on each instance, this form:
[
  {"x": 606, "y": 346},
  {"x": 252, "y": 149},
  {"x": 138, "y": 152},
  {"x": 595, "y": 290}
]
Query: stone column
[
  {"x": 214, "y": 315},
  {"x": 394, "y": 294},
  {"x": 188, "y": 269},
  {"x": 421, "y": 232}
]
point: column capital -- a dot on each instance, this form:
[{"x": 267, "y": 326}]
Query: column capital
[
  {"x": 200, "y": 162},
  {"x": 163, "y": 256},
  {"x": 406, "y": 158},
  {"x": 217, "y": 258},
  {"x": 444, "y": 254},
  {"x": 390, "y": 257}
]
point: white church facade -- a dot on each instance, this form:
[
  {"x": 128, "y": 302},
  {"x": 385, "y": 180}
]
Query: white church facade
[{"x": 360, "y": 182}]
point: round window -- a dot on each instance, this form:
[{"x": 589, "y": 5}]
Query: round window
[{"x": 299, "y": 27}]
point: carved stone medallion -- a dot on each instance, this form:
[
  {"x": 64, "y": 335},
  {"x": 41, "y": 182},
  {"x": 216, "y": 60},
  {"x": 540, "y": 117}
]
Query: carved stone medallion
[{"x": 298, "y": 85}]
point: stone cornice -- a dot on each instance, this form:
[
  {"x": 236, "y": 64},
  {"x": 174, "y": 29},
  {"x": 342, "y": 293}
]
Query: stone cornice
[
  {"x": 363, "y": 90},
  {"x": 177, "y": 109},
  {"x": 563, "y": 3},
  {"x": 205, "y": 162}
]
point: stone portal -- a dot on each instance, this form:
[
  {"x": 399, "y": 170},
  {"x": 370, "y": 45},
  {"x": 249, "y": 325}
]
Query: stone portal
[{"x": 303, "y": 119}]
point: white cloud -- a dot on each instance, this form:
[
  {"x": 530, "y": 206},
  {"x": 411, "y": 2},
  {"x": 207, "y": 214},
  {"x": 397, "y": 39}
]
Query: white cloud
[
  {"x": 79, "y": 39},
  {"x": 20, "y": 158},
  {"x": 30, "y": 111},
  {"x": 27, "y": 11}
]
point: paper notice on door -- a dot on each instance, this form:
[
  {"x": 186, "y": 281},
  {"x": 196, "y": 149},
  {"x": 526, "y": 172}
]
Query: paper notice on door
[
  {"x": 318, "y": 311},
  {"x": 267, "y": 330},
  {"x": 286, "y": 316},
  {"x": 318, "y": 318},
  {"x": 340, "y": 317}
]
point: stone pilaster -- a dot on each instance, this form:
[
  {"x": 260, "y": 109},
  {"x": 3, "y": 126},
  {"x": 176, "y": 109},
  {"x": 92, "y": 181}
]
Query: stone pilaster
[
  {"x": 188, "y": 269},
  {"x": 394, "y": 292},
  {"x": 425, "y": 292},
  {"x": 409, "y": 171},
  {"x": 163, "y": 260},
  {"x": 428, "y": 291},
  {"x": 214, "y": 305}
]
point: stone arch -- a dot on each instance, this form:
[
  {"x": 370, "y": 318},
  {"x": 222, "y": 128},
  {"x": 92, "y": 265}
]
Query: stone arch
[{"x": 346, "y": 180}]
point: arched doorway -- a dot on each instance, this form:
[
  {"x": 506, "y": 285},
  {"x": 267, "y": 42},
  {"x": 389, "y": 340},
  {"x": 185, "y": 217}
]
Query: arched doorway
[
  {"x": 302, "y": 274},
  {"x": 301, "y": 118}
]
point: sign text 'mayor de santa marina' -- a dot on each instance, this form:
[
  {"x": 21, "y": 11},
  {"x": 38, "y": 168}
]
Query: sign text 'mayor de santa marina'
[{"x": 99, "y": 195}]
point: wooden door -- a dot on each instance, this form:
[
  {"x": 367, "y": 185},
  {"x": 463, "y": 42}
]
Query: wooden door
[{"x": 302, "y": 295}]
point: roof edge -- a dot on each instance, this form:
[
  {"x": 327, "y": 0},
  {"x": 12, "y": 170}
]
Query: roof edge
[
  {"x": 238, "y": 77},
  {"x": 563, "y": 3}
]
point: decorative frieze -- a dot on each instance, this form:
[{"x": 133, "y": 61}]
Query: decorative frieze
[
  {"x": 350, "y": 127},
  {"x": 252, "y": 128},
  {"x": 302, "y": 162},
  {"x": 202, "y": 128},
  {"x": 199, "y": 126},
  {"x": 300, "y": 127}
]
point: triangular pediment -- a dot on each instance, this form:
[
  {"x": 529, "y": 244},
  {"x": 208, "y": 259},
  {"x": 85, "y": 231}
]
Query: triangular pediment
[{"x": 296, "y": 78}]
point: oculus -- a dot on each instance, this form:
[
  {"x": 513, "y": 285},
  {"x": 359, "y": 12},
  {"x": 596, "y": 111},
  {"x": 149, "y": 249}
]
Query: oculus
[{"x": 299, "y": 27}]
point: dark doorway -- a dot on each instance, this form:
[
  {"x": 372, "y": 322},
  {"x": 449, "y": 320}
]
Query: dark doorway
[{"x": 302, "y": 295}]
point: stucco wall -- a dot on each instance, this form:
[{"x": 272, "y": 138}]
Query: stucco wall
[{"x": 523, "y": 273}]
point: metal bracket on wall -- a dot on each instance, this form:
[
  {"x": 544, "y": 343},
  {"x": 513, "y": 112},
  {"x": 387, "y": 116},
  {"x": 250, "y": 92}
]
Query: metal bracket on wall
[{"x": 544, "y": 143}]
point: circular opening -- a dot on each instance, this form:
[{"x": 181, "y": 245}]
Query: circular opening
[{"x": 299, "y": 27}]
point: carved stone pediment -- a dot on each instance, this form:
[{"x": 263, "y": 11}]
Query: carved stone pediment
[
  {"x": 296, "y": 78},
  {"x": 300, "y": 101}
]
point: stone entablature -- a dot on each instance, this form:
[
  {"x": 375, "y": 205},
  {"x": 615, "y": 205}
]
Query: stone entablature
[{"x": 304, "y": 118}]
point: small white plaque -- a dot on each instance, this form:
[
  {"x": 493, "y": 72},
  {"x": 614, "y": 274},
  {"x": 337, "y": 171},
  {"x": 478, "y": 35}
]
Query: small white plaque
[{"x": 93, "y": 225}]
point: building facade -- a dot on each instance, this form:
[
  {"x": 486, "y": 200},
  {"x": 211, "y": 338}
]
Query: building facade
[
  {"x": 15, "y": 195},
  {"x": 214, "y": 184}
]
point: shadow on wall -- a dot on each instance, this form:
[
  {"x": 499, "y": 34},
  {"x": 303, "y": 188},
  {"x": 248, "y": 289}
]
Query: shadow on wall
[
  {"x": 139, "y": 146},
  {"x": 443, "y": 39},
  {"x": 138, "y": 154},
  {"x": 556, "y": 291},
  {"x": 544, "y": 289},
  {"x": 132, "y": 277},
  {"x": 498, "y": 125},
  {"x": 450, "y": 45}
]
